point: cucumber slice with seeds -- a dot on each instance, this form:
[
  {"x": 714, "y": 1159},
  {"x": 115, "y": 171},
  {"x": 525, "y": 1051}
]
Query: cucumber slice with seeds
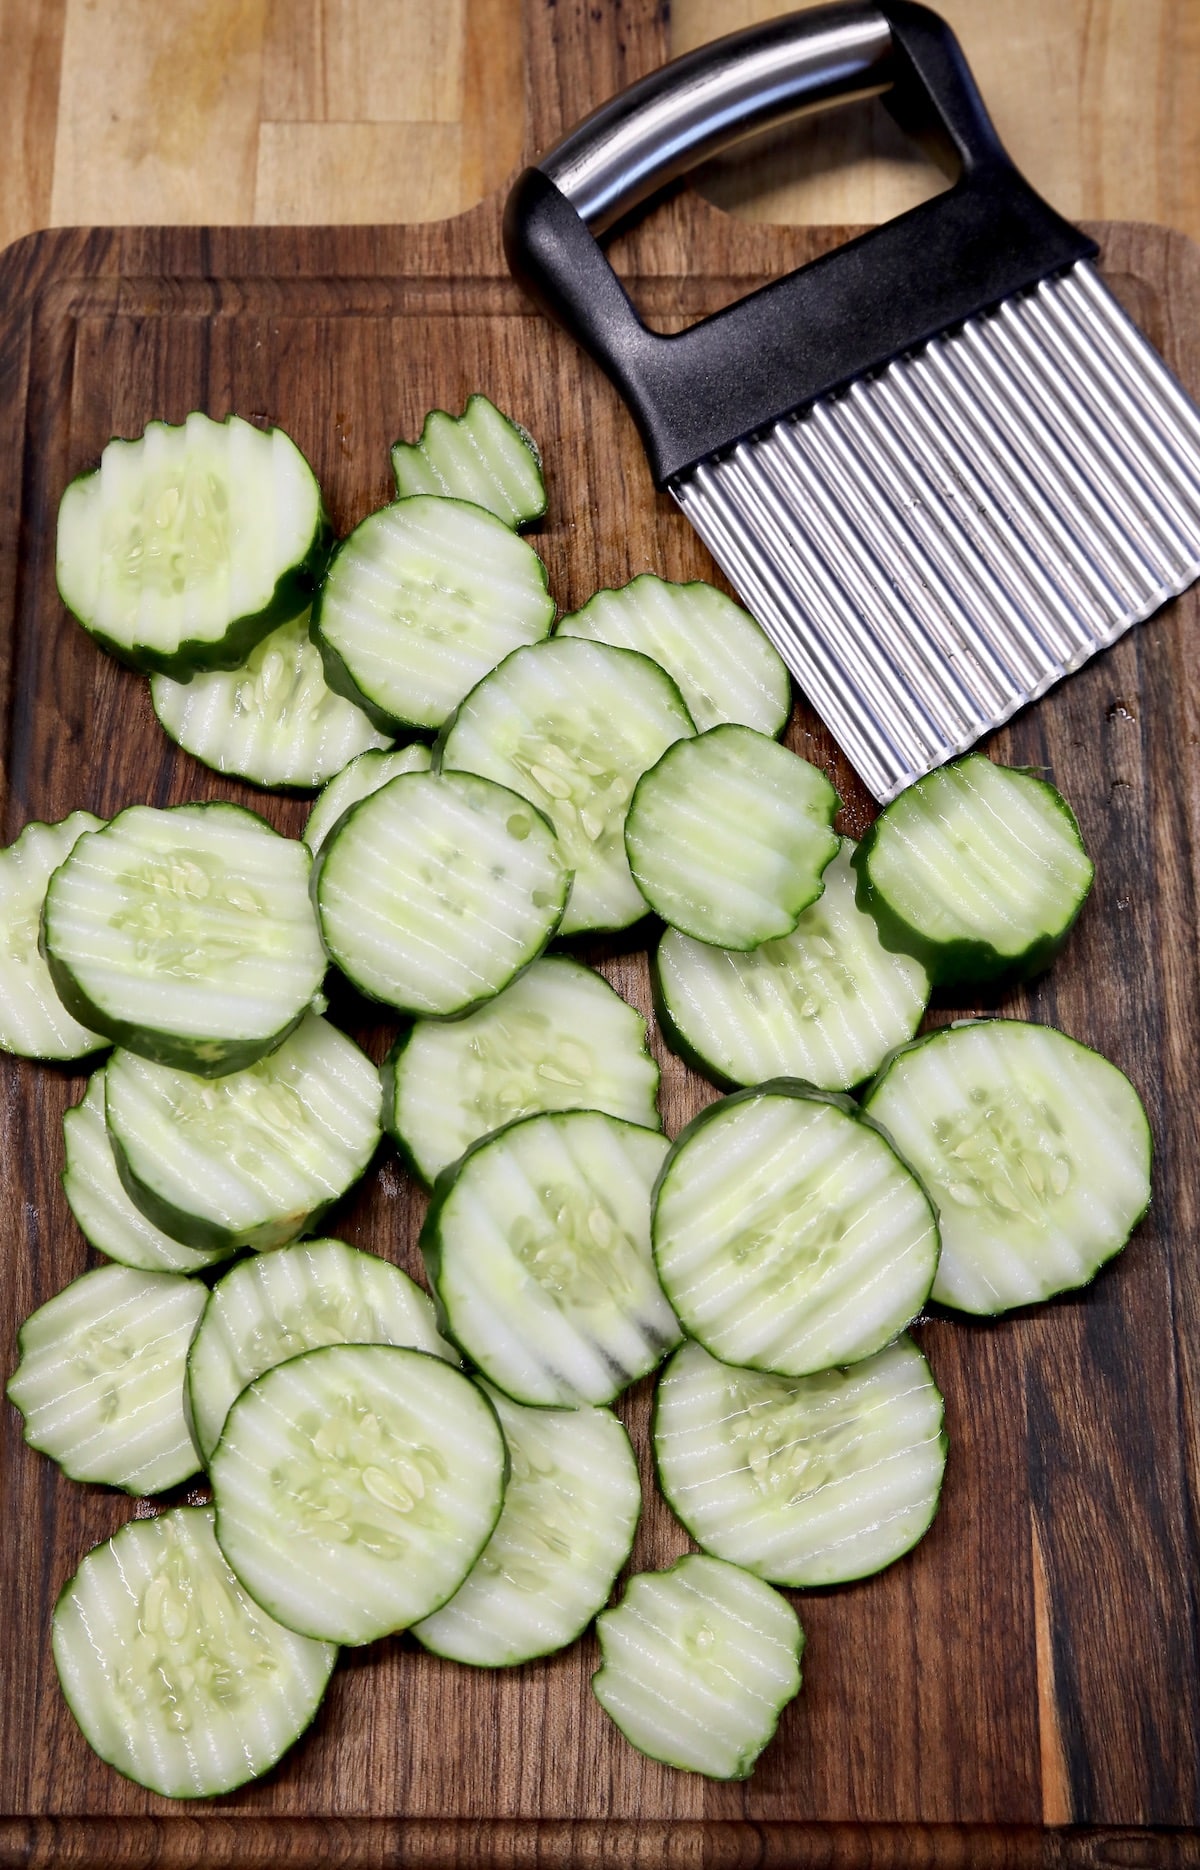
[
  {"x": 100, "y": 1378},
  {"x": 570, "y": 1511},
  {"x": 362, "y": 776},
  {"x": 805, "y": 1481},
  {"x": 174, "y": 1675},
  {"x": 279, "y": 1304},
  {"x": 559, "y": 1038},
  {"x": 699, "y": 1663},
  {"x": 186, "y": 935},
  {"x": 725, "y": 667},
  {"x": 728, "y": 837},
  {"x": 419, "y": 603},
  {"x": 1035, "y": 1150},
  {"x": 34, "y": 1023},
  {"x": 788, "y": 1234},
  {"x": 481, "y": 456},
  {"x": 186, "y": 546},
  {"x": 273, "y": 720},
  {"x": 572, "y": 726}
]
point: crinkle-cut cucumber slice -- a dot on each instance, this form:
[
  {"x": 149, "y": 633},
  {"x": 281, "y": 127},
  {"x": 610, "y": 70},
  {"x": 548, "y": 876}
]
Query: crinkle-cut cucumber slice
[
  {"x": 252, "y": 1159},
  {"x": 728, "y": 837},
  {"x": 826, "y": 1003},
  {"x": 698, "y": 1664},
  {"x": 538, "y": 1247},
  {"x": 481, "y": 456},
  {"x": 573, "y": 725},
  {"x": 273, "y": 720},
  {"x": 365, "y": 774},
  {"x": 725, "y": 667},
  {"x": 186, "y": 934},
  {"x": 1035, "y": 1150},
  {"x": 175, "y": 1676},
  {"x": 570, "y": 1511},
  {"x": 560, "y": 1038},
  {"x": 277, "y": 1305},
  {"x": 978, "y": 870},
  {"x": 96, "y": 1197},
  {"x": 420, "y": 601},
  {"x": 186, "y": 546},
  {"x": 434, "y": 892},
  {"x": 100, "y": 1378},
  {"x": 355, "y": 1486},
  {"x": 803, "y": 1480},
  {"x": 788, "y": 1234},
  {"x": 34, "y": 1023}
]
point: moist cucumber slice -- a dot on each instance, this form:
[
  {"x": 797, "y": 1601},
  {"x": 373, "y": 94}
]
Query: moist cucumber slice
[
  {"x": 725, "y": 667},
  {"x": 538, "y": 1247},
  {"x": 174, "y": 1675},
  {"x": 1035, "y": 1150},
  {"x": 97, "y": 1199},
  {"x": 186, "y": 546},
  {"x": 699, "y": 1663},
  {"x": 481, "y": 456},
  {"x": 788, "y": 1234},
  {"x": 34, "y": 1023},
  {"x": 728, "y": 837},
  {"x": 434, "y": 892},
  {"x": 277, "y": 1305},
  {"x": 365, "y": 774},
  {"x": 355, "y": 1486},
  {"x": 186, "y": 935},
  {"x": 100, "y": 1378},
  {"x": 559, "y": 1038},
  {"x": 420, "y": 601},
  {"x": 570, "y": 1511},
  {"x": 826, "y": 1003},
  {"x": 803, "y": 1480},
  {"x": 251, "y": 1159},
  {"x": 572, "y": 726},
  {"x": 273, "y": 720},
  {"x": 978, "y": 870}
]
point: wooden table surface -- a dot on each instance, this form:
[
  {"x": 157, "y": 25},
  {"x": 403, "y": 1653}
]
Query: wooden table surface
[{"x": 299, "y": 111}]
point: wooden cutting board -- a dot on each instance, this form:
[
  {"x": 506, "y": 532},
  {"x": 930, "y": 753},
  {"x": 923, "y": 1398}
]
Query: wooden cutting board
[{"x": 1035, "y": 1664}]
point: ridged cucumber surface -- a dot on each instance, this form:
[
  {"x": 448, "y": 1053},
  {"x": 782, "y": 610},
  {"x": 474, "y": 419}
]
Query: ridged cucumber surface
[
  {"x": 365, "y": 774},
  {"x": 481, "y": 456},
  {"x": 34, "y": 1023}
]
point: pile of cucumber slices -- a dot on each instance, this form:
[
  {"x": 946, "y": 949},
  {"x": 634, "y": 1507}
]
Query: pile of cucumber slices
[{"x": 381, "y": 1459}]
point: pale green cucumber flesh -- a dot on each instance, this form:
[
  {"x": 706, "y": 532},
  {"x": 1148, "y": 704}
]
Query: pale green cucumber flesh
[
  {"x": 34, "y": 1023},
  {"x": 481, "y": 456},
  {"x": 364, "y": 774}
]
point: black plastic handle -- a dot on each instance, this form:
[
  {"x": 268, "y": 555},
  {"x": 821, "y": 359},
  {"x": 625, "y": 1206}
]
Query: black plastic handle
[{"x": 699, "y": 391}]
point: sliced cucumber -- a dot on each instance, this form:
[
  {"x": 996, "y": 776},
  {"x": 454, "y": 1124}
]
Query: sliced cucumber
[
  {"x": 803, "y": 1480},
  {"x": 186, "y": 935},
  {"x": 277, "y": 1305},
  {"x": 100, "y": 1378},
  {"x": 480, "y": 456},
  {"x": 34, "y": 1023},
  {"x": 538, "y": 1246},
  {"x": 978, "y": 870},
  {"x": 728, "y": 836},
  {"x": 434, "y": 892},
  {"x": 273, "y": 720},
  {"x": 355, "y": 1486},
  {"x": 725, "y": 667},
  {"x": 174, "y": 1675},
  {"x": 826, "y": 1003},
  {"x": 186, "y": 546},
  {"x": 788, "y": 1234},
  {"x": 559, "y": 1038},
  {"x": 251, "y": 1159},
  {"x": 1035, "y": 1150},
  {"x": 570, "y": 1511},
  {"x": 364, "y": 774},
  {"x": 572, "y": 726},
  {"x": 419, "y": 603},
  {"x": 699, "y": 1663},
  {"x": 97, "y": 1199}
]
